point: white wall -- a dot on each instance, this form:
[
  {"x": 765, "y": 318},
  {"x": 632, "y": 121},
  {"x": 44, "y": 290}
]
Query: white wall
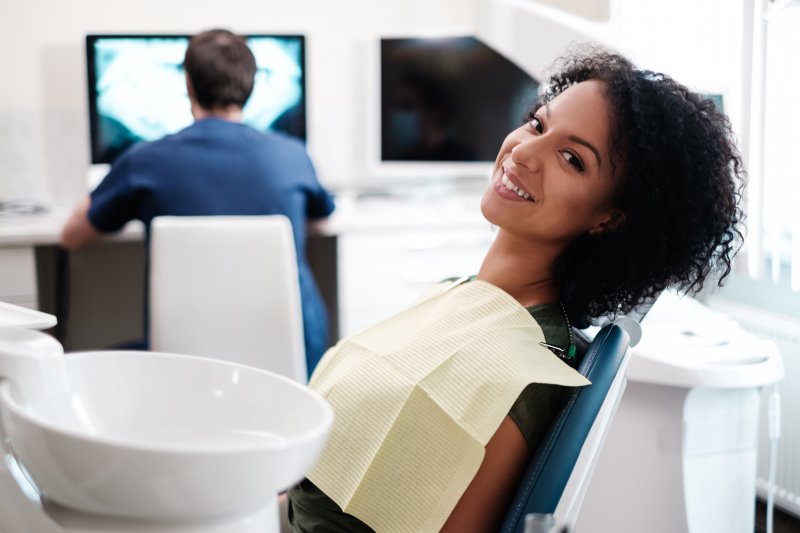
[
  {"x": 43, "y": 120},
  {"x": 44, "y": 149},
  {"x": 697, "y": 42}
]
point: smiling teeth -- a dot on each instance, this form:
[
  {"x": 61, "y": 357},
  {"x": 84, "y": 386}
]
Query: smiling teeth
[{"x": 511, "y": 187}]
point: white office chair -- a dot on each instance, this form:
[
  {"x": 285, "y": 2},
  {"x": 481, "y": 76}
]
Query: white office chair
[{"x": 227, "y": 287}]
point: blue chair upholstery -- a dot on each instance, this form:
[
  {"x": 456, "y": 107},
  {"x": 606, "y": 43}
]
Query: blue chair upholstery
[{"x": 553, "y": 462}]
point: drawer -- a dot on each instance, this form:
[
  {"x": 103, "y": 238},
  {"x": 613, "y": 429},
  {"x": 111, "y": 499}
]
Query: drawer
[
  {"x": 381, "y": 274},
  {"x": 18, "y": 275}
]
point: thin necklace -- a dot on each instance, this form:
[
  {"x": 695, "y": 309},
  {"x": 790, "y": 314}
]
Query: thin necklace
[{"x": 567, "y": 353}]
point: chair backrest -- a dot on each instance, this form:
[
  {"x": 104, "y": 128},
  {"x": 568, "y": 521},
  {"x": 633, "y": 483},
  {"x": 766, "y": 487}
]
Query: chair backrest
[
  {"x": 227, "y": 287},
  {"x": 560, "y": 469}
]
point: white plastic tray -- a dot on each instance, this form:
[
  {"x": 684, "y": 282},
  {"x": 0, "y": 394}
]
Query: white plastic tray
[{"x": 21, "y": 317}]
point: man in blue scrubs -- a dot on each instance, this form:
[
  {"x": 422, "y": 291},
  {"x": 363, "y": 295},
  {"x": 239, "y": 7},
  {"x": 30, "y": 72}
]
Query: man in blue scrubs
[{"x": 216, "y": 166}]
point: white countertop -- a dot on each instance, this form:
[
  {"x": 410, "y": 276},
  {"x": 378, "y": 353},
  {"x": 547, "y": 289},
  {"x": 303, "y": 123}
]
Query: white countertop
[
  {"x": 421, "y": 208},
  {"x": 370, "y": 213},
  {"x": 685, "y": 344},
  {"x": 45, "y": 228}
]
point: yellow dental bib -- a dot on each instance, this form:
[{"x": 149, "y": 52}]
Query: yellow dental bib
[{"x": 417, "y": 398}]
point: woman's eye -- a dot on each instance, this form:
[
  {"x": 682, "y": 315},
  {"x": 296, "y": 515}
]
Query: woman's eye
[
  {"x": 536, "y": 124},
  {"x": 574, "y": 160}
]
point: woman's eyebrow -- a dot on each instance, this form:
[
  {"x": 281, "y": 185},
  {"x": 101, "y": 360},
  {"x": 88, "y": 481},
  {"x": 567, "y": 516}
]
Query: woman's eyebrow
[{"x": 588, "y": 145}]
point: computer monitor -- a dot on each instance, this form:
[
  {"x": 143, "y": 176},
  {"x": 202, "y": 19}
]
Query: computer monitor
[
  {"x": 137, "y": 89},
  {"x": 445, "y": 104}
]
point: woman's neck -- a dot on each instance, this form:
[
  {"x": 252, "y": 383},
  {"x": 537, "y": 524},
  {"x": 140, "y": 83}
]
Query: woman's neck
[{"x": 522, "y": 270}]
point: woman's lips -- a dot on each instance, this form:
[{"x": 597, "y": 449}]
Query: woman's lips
[{"x": 507, "y": 187}]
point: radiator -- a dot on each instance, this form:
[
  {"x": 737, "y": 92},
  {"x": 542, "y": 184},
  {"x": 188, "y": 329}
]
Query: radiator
[{"x": 785, "y": 332}]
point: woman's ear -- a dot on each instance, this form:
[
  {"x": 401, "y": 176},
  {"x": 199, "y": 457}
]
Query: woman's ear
[{"x": 609, "y": 223}]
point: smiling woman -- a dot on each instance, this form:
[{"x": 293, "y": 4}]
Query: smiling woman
[
  {"x": 620, "y": 183},
  {"x": 554, "y": 163}
]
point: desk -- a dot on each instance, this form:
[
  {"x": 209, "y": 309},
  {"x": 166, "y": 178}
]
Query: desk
[
  {"x": 372, "y": 258},
  {"x": 97, "y": 293}
]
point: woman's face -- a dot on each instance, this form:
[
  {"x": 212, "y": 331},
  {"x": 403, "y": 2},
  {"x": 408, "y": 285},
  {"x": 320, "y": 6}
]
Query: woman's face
[{"x": 553, "y": 179}]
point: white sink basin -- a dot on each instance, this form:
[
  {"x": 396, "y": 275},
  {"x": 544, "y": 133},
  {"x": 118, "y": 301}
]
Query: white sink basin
[{"x": 160, "y": 436}]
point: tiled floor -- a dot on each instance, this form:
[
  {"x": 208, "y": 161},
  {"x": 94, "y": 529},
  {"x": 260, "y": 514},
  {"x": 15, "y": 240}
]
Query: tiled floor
[{"x": 782, "y": 522}]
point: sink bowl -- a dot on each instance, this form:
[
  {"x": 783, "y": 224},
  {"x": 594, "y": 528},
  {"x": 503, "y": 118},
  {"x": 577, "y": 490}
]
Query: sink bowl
[{"x": 161, "y": 436}]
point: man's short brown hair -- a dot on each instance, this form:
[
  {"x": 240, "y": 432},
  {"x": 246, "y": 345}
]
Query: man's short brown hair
[{"x": 221, "y": 69}]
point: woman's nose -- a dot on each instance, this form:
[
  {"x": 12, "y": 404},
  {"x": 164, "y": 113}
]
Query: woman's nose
[{"x": 527, "y": 154}]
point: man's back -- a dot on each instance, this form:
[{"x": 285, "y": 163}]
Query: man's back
[
  {"x": 219, "y": 167},
  {"x": 214, "y": 167}
]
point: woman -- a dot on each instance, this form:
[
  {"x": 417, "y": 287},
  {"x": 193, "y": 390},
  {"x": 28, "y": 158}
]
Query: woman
[{"x": 619, "y": 184}]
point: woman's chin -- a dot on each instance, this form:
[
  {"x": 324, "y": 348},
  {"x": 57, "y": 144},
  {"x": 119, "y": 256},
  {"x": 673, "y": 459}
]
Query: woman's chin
[
  {"x": 494, "y": 208},
  {"x": 488, "y": 209}
]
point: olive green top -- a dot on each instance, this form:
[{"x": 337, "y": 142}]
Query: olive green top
[{"x": 310, "y": 510}]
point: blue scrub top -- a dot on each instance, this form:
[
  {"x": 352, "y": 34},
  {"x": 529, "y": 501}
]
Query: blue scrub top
[{"x": 218, "y": 167}]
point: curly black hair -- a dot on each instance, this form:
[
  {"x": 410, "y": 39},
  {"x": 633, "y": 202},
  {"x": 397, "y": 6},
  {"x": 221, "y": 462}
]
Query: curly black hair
[{"x": 680, "y": 190}]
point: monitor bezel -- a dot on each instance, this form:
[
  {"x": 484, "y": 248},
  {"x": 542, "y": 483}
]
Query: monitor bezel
[
  {"x": 91, "y": 92},
  {"x": 402, "y": 171}
]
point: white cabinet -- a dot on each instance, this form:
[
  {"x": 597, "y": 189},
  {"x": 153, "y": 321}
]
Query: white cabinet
[
  {"x": 18, "y": 276},
  {"x": 383, "y": 272}
]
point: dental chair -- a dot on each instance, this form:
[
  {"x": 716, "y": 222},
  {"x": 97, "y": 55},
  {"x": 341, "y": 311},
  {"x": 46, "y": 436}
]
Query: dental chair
[
  {"x": 227, "y": 287},
  {"x": 560, "y": 469}
]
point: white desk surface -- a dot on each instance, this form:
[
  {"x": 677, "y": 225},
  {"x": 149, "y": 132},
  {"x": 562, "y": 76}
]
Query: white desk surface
[
  {"x": 353, "y": 214},
  {"x": 45, "y": 228}
]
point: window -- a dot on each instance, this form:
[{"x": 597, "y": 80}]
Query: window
[
  {"x": 768, "y": 271},
  {"x": 773, "y": 246},
  {"x": 781, "y": 121}
]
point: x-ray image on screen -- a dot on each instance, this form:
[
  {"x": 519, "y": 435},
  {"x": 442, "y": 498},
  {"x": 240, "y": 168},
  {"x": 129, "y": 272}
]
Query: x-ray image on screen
[
  {"x": 278, "y": 90},
  {"x": 137, "y": 89}
]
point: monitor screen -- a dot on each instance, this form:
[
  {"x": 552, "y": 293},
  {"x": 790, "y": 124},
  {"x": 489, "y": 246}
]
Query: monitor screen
[
  {"x": 448, "y": 99},
  {"x": 137, "y": 88}
]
